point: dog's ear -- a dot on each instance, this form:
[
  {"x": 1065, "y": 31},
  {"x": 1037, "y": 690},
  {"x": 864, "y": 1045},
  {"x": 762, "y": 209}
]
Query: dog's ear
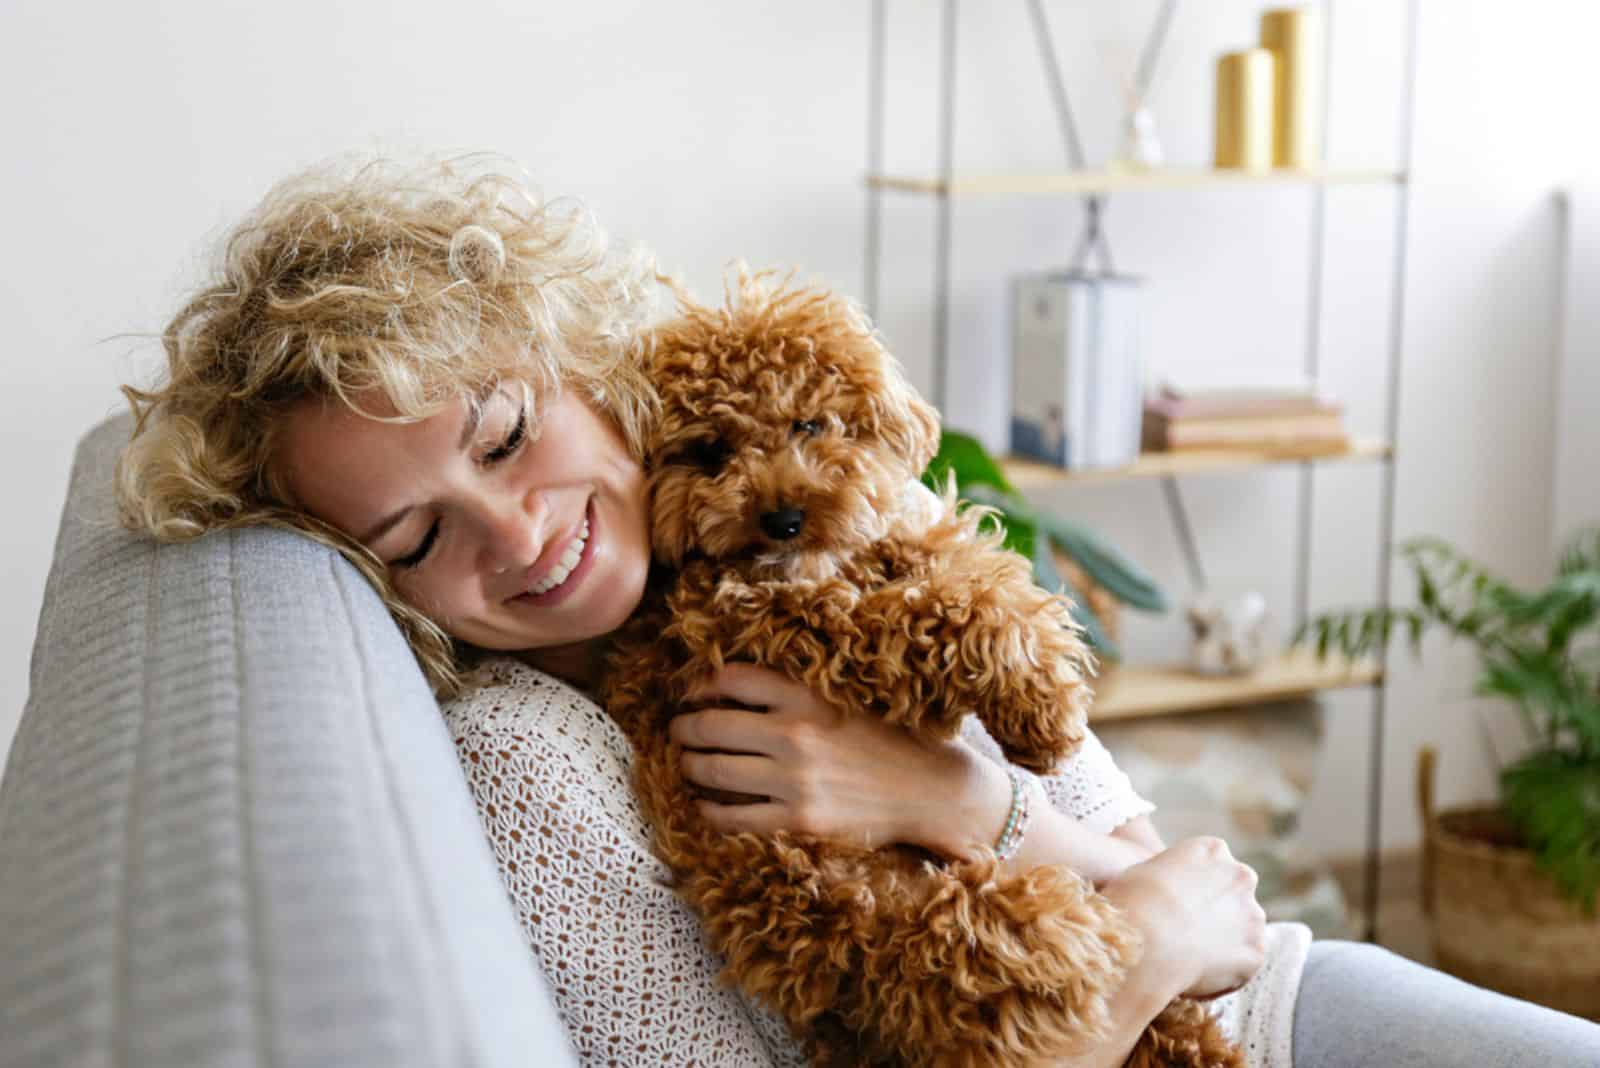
[
  {"x": 672, "y": 511},
  {"x": 906, "y": 423}
]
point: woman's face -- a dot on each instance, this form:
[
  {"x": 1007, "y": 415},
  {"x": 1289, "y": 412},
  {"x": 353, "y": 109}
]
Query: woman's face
[{"x": 506, "y": 542}]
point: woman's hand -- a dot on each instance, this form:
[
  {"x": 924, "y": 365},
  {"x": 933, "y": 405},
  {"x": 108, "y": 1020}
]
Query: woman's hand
[
  {"x": 826, "y": 772},
  {"x": 1197, "y": 907},
  {"x": 819, "y": 770}
]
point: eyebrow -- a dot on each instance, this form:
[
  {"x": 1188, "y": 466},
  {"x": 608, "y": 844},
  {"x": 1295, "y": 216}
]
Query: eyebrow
[
  {"x": 470, "y": 428},
  {"x": 384, "y": 525}
]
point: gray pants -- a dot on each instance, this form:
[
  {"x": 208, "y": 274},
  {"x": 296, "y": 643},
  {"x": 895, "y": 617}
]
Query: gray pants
[{"x": 1360, "y": 1005}]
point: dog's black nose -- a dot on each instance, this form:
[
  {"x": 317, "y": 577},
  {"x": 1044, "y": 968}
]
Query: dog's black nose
[{"x": 783, "y": 524}]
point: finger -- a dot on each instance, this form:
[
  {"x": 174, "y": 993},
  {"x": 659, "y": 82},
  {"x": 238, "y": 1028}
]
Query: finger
[
  {"x": 734, "y": 730},
  {"x": 731, "y": 771},
  {"x": 764, "y": 818},
  {"x": 748, "y": 684}
]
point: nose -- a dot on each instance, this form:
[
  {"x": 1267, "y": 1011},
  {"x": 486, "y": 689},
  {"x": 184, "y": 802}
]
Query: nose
[
  {"x": 783, "y": 524},
  {"x": 514, "y": 531}
]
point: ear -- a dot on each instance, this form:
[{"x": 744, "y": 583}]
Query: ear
[{"x": 907, "y": 423}]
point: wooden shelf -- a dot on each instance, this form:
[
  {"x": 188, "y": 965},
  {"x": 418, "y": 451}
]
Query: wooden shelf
[
  {"x": 1031, "y": 474},
  {"x": 1107, "y": 181},
  {"x": 1132, "y": 692}
]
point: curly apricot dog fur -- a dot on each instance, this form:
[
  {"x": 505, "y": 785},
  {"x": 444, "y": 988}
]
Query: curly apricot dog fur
[{"x": 779, "y": 472}]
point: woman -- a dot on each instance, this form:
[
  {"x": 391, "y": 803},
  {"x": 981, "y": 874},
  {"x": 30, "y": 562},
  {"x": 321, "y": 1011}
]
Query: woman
[{"x": 429, "y": 371}]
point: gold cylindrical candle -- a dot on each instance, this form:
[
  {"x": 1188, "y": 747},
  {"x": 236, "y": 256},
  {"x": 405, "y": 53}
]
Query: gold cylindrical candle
[
  {"x": 1244, "y": 110},
  {"x": 1294, "y": 37}
]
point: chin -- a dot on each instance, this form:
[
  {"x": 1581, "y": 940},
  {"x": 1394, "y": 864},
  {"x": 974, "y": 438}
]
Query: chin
[{"x": 608, "y": 611}]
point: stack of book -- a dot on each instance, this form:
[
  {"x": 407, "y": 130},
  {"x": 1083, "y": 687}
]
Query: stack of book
[{"x": 1285, "y": 417}]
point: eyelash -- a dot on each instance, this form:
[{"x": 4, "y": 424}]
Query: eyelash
[
  {"x": 408, "y": 562},
  {"x": 510, "y": 445},
  {"x": 513, "y": 442}
]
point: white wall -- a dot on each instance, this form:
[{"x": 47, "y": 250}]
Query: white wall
[{"x": 136, "y": 133}]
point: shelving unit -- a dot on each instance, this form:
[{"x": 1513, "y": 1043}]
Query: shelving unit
[
  {"x": 1113, "y": 181},
  {"x": 1134, "y": 691},
  {"x": 1030, "y": 474}
]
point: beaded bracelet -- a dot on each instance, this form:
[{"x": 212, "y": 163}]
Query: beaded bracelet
[{"x": 1010, "y": 840}]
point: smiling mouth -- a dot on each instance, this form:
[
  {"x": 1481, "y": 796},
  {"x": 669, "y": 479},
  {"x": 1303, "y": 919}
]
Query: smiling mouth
[
  {"x": 569, "y": 569},
  {"x": 566, "y": 565}
]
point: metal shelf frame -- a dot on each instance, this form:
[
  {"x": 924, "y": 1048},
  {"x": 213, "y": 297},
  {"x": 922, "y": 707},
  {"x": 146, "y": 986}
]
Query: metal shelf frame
[
  {"x": 1094, "y": 187},
  {"x": 1116, "y": 181}
]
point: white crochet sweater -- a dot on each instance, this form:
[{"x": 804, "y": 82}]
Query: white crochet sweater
[{"x": 633, "y": 981}]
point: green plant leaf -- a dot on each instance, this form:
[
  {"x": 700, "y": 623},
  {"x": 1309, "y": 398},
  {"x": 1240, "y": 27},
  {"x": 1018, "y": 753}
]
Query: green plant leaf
[
  {"x": 1352, "y": 634},
  {"x": 1529, "y": 684},
  {"x": 1046, "y": 574},
  {"x": 1553, "y": 798},
  {"x": 1014, "y": 516},
  {"x": 1121, "y": 577},
  {"x": 1416, "y": 624},
  {"x": 979, "y": 479},
  {"x": 1582, "y": 552},
  {"x": 1538, "y": 650},
  {"x": 965, "y": 455},
  {"x": 1427, "y": 591}
]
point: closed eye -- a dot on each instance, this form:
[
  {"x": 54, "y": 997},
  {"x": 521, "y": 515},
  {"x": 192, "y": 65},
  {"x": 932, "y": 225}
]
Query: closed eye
[
  {"x": 513, "y": 441},
  {"x": 405, "y": 563}
]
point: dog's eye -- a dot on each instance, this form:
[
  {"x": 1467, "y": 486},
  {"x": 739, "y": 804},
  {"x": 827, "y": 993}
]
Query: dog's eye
[
  {"x": 708, "y": 453},
  {"x": 808, "y": 427}
]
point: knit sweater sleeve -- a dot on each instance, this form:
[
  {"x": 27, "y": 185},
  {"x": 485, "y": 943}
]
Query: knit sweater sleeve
[{"x": 631, "y": 975}]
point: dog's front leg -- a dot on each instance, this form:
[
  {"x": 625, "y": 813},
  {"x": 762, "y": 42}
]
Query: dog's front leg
[
  {"x": 980, "y": 971},
  {"x": 971, "y": 632}
]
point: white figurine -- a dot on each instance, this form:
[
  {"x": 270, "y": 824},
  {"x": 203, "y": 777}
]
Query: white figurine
[
  {"x": 1138, "y": 146},
  {"x": 1141, "y": 148},
  {"x": 1230, "y": 637}
]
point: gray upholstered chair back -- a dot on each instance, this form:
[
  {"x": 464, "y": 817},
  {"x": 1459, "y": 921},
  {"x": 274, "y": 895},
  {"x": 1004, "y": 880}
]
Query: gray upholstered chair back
[{"x": 232, "y": 827}]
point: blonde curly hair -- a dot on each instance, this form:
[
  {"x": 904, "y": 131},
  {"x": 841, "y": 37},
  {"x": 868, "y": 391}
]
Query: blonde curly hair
[{"x": 370, "y": 274}]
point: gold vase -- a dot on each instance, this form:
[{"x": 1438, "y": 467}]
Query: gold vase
[
  {"x": 1294, "y": 37},
  {"x": 1244, "y": 110}
]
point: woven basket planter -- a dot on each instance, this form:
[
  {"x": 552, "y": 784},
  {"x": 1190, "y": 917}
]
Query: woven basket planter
[{"x": 1497, "y": 921}]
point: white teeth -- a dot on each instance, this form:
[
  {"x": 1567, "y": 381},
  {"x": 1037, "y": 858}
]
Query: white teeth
[{"x": 569, "y": 560}]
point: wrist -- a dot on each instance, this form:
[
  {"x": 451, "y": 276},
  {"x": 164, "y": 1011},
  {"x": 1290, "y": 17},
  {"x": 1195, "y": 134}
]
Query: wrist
[
  {"x": 1012, "y": 835},
  {"x": 978, "y": 799},
  {"x": 1159, "y": 974},
  {"x": 1145, "y": 988},
  {"x": 1148, "y": 987}
]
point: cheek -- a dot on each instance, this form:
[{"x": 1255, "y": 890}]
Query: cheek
[
  {"x": 636, "y": 521},
  {"x": 447, "y": 595}
]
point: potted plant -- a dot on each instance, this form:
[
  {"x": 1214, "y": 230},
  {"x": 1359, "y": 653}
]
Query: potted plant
[
  {"x": 1510, "y": 889},
  {"x": 1067, "y": 557}
]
